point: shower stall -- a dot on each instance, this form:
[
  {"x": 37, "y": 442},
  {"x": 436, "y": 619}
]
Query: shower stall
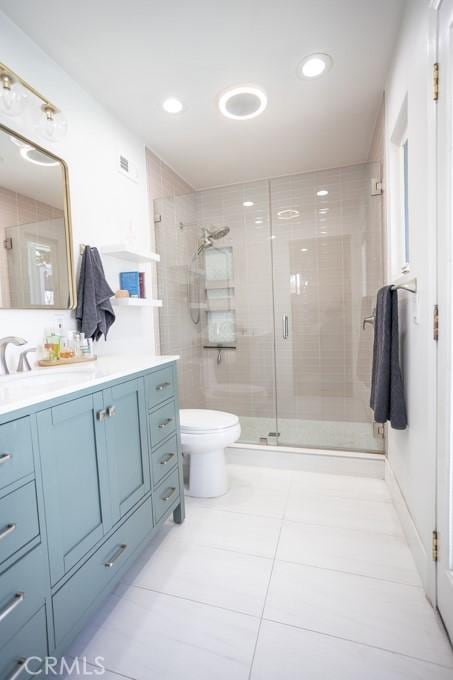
[{"x": 264, "y": 287}]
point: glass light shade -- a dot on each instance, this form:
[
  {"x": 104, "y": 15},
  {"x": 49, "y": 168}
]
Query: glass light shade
[
  {"x": 53, "y": 126},
  {"x": 13, "y": 97}
]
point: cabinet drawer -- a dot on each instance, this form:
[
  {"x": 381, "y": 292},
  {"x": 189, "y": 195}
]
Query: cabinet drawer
[
  {"x": 23, "y": 588},
  {"x": 29, "y": 643},
  {"x": 165, "y": 495},
  {"x": 160, "y": 385},
  {"x": 18, "y": 520},
  {"x": 16, "y": 453},
  {"x": 164, "y": 459},
  {"x": 162, "y": 423},
  {"x": 74, "y": 598}
]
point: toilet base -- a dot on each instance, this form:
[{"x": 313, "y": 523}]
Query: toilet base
[{"x": 207, "y": 474}]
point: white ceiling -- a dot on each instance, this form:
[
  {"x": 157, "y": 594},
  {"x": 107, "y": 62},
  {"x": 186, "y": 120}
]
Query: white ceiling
[{"x": 133, "y": 54}]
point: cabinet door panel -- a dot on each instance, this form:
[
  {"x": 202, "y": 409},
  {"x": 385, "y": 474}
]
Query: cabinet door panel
[
  {"x": 127, "y": 445},
  {"x": 73, "y": 456}
]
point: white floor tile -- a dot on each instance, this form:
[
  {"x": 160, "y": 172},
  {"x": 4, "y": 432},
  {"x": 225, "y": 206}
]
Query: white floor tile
[
  {"x": 368, "y": 553},
  {"x": 285, "y": 653},
  {"x": 342, "y": 512},
  {"x": 388, "y": 615},
  {"x": 149, "y": 636},
  {"x": 246, "y": 498},
  {"x": 250, "y": 534},
  {"x": 343, "y": 486},
  {"x": 210, "y": 575}
]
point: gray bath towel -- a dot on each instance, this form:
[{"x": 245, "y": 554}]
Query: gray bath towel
[
  {"x": 94, "y": 311},
  {"x": 387, "y": 393}
]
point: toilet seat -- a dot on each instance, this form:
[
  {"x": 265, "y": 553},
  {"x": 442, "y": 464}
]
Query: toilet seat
[{"x": 204, "y": 421}]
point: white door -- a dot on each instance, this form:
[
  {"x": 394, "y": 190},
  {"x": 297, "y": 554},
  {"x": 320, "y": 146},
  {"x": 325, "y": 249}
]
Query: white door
[{"x": 445, "y": 299}]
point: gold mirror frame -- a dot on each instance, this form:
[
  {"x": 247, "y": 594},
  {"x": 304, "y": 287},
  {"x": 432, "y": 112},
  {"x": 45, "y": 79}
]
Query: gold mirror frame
[{"x": 67, "y": 220}]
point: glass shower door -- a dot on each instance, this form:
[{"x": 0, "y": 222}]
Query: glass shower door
[{"x": 327, "y": 267}]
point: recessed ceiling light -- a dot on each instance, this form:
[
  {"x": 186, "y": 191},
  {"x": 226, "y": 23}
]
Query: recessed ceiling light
[
  {"x": 172, "y": 105},
  {"x": 288, "y": 214},
  {"x": 314, "y": 65},
  {"x": 304, "y": 250},
  {"x": 37, "y": 157},
  {"x": 322, "y": 192},
  {"x": 259, "y": 221},
  {"x": 248, "y": 204},
  {"x": 324, "y": 211},
  {"x": 243, "y": 103}
]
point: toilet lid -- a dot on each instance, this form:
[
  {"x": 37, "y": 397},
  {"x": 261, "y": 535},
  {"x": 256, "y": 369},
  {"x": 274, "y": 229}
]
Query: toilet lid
[{"x": 203, "y": 420}]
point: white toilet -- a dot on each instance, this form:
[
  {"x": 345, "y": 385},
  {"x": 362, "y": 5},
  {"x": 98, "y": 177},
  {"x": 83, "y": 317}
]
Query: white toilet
[{"x": 204, "y": 437}]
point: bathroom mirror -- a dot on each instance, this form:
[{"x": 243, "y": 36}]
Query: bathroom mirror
[{"x": 35, "y": 235}]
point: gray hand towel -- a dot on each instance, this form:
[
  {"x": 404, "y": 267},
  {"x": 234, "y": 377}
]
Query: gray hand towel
[
  {"x": 387, "y": 392},
  {"x": 94, "y": 311}
]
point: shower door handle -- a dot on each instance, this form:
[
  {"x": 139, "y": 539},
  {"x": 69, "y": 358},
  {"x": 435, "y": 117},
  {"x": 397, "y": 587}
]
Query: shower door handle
[{"x": 285, "y": 326}]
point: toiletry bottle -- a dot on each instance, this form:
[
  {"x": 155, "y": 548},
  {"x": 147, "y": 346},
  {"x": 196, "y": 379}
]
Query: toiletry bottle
[{"x": 52, "y": 345}]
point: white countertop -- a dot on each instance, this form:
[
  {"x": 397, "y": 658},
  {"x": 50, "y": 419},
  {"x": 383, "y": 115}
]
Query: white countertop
[{"x": 26, "y": 389}]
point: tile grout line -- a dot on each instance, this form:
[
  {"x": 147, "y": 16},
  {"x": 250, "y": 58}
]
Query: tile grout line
[
  {"x": 357, "y": 642},
  {"x": 269, "y": 584}
]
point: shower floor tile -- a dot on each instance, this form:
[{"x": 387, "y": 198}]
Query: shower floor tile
[{"x": 289, "y": 575}]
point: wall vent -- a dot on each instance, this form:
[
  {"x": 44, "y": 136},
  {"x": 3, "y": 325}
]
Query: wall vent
[
  {"x": 124, "y": 163},
  {"x": 127, "y": 168}
]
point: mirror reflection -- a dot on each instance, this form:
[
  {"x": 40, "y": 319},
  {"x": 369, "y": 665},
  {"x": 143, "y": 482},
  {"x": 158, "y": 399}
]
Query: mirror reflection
[{"x": 35, "y": 268}]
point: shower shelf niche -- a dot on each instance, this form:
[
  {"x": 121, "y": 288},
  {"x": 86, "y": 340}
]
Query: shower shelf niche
[
  {"x": 136, "y": 302},
  {"x": 123, "y": 252}
]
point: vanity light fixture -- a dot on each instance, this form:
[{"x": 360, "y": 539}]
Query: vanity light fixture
[
  {"x": 322, "y": 192},
  {"x": 14, "y": 97},
  {"x": 243, "y": 103},
  {"x": 314, "y": 65},
  {"x": 172, "y": 105}
]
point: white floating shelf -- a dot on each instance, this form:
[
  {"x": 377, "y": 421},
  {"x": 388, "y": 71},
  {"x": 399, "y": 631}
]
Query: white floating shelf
[
  {"x": 136, "y": 302},
  {"x": 124, "y": 252}
]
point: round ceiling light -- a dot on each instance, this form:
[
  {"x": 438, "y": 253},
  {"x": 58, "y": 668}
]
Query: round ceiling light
[
  {"x": 322, "y": 192},
  {"x": 288, "y": 214},
  {"x": 172, "y": 105},
  {"x": 243, "y": 103},
  {"x": 248, "y": 204},
  {"x": 37, "y": 157},
  {"x": 314, "y": 65}
]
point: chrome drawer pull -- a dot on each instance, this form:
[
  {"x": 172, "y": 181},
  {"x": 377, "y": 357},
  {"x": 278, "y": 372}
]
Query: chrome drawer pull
[
  {"x": 170, "y": 493},
  {"x": 111, "y": 411},
  {"x": 165, "y": 423},
  {"x": 116, "y": 555},
  {"x": 4, "y": 457},
  {"x": 7, "y": 530},
  {"x": 163, "y": 386},
  {"x": 15, "y": 602},
  {"x": 21, "y": 666},
  {"x": 100, "y": 415},
  {"x": 166, "y": 460}
]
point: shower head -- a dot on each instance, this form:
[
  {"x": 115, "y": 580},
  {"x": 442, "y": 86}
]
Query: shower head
[{"x": 208, "y": 236}]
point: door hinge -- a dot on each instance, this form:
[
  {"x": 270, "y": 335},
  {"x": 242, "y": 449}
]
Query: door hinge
[
  {"x": 378, "y": 430},
  {"x": 435, "y": 546},
  {"x": 436, "y": 322},
  {"x": 377, "y": 188},
  {"x": 436, "y": 82},
  {"x": 8, "y": 243}
]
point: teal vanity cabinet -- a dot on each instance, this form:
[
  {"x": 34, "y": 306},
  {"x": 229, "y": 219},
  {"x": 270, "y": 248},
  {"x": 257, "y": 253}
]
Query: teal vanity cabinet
[{"x": 87, "y": 479}]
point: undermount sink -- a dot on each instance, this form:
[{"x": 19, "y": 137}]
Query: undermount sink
[{"x": 42, "y": 377}]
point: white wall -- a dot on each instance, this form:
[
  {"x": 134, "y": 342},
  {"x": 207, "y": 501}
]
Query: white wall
[
  {"x": 106, "y": 206},
  {"x": 411, "y": 453}
]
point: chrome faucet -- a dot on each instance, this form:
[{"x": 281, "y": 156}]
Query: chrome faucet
[
  {"x": 4, "y": 342},
  {"x": 24, "y": 364}
]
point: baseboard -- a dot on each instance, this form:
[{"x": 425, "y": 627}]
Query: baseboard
[
  {"x": 422, "y": 559},
  {"x": 309, "y": 460}
]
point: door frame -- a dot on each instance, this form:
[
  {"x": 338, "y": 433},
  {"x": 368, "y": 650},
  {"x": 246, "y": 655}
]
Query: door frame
[{"x": 444, "y": 448}]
